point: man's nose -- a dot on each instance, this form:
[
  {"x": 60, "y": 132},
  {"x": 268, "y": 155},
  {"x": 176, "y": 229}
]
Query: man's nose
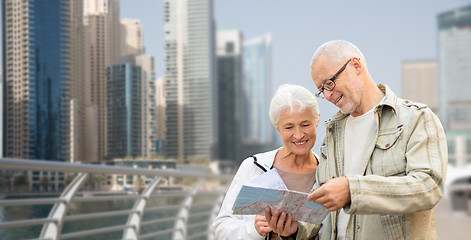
[{"x": 328, "y": 94}]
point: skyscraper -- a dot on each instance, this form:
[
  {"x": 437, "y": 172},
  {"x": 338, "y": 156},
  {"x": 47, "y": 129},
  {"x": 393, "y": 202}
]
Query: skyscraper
[
  {"x": 37, "y": 79},
  {"x": 148, "y": 105},
  {"x": 79, "y": 86},
  {"x": 454, "y": 44},
  {"x": 229, "y": 103},
  {"x": 124, "y": 110},
  {"x": 257, "y": 89},
  {"x": 1, "y": 116},
  {"x": 101, "y": 20},
  {"x": 419, "y": 82},
  {"x": 161, "y": 117},
  {"x": 189, "y": 75},
  {"x": 132, "y": 108},
  {"x": 133, "y": 43}
]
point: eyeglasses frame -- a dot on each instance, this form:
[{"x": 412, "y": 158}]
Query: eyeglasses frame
[{"x": 332, "y": 79}]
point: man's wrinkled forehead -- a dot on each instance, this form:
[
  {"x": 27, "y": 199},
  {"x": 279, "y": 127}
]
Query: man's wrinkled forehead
[{"x": 320, "y": 70}]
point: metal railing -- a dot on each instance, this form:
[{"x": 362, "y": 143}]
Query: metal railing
[{"x": 182, "y": 210}]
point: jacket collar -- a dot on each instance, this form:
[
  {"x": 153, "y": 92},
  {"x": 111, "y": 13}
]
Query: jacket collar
[
  {"x": 389, "y": 101},
  {"x": 266, "y": 159}
]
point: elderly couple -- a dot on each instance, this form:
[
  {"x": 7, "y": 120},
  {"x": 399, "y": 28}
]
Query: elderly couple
[{"x": 380, "y": 170}]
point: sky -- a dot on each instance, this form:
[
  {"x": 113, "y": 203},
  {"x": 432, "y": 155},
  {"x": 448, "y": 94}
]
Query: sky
[{"x": 387, "y": 32}]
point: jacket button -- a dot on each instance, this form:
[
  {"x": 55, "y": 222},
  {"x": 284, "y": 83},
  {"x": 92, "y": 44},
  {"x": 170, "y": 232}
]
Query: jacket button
[
  {"x": 387, "y": 145},
  {"x": 333, "y": 177}
]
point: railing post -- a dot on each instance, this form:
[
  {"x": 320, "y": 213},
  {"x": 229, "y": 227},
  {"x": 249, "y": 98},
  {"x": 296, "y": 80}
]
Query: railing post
[
  {"x": 213, "y": 216},
  {"x": 135, "y": 218},
  {"x": 182, "y": 220},
  {"x": 52, "y": 230}
]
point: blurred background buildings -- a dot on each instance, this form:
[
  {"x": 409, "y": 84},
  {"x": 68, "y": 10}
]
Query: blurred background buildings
[
  {"x": 79, "y": 87},
  {"x": 454, "y": 43},
  {"x": 78, "y": 84}
]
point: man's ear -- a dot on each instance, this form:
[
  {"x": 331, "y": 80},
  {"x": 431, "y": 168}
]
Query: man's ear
[{"x": 356, "y": 63}]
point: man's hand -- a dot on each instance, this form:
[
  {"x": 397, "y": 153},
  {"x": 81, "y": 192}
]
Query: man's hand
[
  {"x": 333, "y": 195},
  {"x": 261, "y": 225},
  {"x": 281, "y": 223}
]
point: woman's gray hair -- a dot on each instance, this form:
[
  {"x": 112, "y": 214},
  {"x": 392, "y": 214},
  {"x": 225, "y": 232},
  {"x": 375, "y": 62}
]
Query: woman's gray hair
[
  {"x": 339, "y": 51},
  {"x": 289, "y": 95}
]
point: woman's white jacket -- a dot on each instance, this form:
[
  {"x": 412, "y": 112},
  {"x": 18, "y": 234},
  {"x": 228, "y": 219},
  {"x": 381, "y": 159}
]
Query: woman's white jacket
[{"x": 228, "y": 226}]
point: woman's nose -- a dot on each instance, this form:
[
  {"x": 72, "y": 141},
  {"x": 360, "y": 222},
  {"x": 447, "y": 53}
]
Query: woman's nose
[{"x": 298, "y": 133}]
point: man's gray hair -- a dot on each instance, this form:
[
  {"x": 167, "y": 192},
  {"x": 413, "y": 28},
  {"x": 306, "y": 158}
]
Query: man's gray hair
[
  {"x": 290, "y": 96},
  {"x": 339, "y": 51}
]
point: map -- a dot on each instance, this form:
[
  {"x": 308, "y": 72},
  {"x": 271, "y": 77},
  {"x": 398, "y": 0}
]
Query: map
[{"x": 253, "y": 199}]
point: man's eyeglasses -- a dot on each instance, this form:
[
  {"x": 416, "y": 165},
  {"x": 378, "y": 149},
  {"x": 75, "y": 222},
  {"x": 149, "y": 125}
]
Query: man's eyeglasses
[{"x": 329, "y": 85}]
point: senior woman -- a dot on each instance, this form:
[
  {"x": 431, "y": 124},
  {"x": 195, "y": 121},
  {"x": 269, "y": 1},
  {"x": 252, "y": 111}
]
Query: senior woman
[{"x": 295, "y": 114}]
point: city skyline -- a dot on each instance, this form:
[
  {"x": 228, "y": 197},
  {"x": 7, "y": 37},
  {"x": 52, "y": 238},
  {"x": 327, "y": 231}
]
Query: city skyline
[
  {"x": 387, "y": 32},
  {"x": 429, "y": 14}
]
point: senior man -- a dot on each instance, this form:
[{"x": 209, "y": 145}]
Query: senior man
[{"x": 383, "y": 161}]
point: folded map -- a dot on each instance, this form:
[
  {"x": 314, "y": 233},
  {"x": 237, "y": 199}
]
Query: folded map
[{"x": 254, "y": 199}]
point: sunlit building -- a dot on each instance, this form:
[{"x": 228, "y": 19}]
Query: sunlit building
[
  {"x": 150, "y": 144},
  {"x": 101, "y": 20},
  {"x": 161, "y": 116},
  {"x": 189, "y": 76},
  {"x": 133, "y": 39},
  {"x": 419, "y": 82}
]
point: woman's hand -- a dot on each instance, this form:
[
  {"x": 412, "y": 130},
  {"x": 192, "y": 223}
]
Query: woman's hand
[
  {"x": 281, "y": 223},
  {"x": 261, "y": 225}
]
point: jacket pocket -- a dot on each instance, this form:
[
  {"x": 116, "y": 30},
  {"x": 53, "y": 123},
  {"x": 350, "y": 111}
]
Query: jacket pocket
[
  {"x": 388, "y": 137},
  {"x": 388, "y": 157},
  {"x": 392, "y": 227}
]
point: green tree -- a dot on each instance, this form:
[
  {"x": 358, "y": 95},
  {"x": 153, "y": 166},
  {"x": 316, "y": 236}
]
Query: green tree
[
  {"x": 140, "y": 182},
  {"x": 21, "y": 182},
  {"x": 95, "y": 181},
  {"x": 98, "y": 180},
  {"x": 198, "y": 160}
]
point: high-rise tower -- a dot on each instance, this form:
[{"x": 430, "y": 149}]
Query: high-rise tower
[
  {"x": 454, "y": 44},
  {"x": 454, "y": 66},
  {"x": 189, "y": 75},
  {"x": 229, "y": 76},
  {"x": 101, "y": 20},
  {"x": 133, "y": 43},
  {"x": 37, "y": 77},
  {"x": 132, "y": 108},
  {"x": 257, "y": 89}
]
